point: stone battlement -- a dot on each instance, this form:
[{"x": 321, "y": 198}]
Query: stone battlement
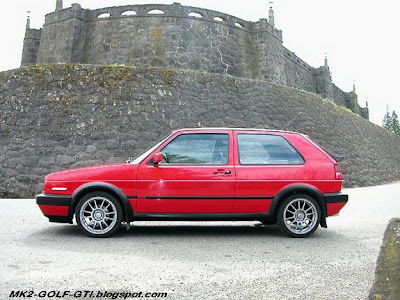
[
  {"x": 175, "y": 10},
  {"x": 177, "y": 37}
]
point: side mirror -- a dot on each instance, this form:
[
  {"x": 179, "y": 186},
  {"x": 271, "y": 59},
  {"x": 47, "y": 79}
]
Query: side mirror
[{"x": 158, "y": 157}]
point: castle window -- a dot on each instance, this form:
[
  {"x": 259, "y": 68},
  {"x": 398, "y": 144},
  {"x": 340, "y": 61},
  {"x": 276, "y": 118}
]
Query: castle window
[
  {"x": 195, "y": 14},
  {"x": 129, "y": 13},
  {"x": 104, "y": 15},
  {"x": 156, "y": 12},
  {"x": 219, "y": 19},
  {"x": 240, "y": 25}
]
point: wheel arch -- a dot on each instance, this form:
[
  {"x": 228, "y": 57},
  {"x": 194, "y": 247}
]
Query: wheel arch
[
  {"x": 300, "y": 189},
  {"x": 105, "y": 187}
]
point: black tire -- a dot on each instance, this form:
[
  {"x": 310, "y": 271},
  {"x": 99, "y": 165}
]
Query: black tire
[
  {"x": 101, "y": 214},
  {"x": 299, "y": 215}
]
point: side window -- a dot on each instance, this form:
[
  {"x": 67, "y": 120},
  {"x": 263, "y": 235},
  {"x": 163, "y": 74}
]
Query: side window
[
  {"x": 201, "y": 148},
  {"x": 264, "y": 149}
]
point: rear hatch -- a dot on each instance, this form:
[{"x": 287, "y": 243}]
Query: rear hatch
[{"x": 334, "y": 158}]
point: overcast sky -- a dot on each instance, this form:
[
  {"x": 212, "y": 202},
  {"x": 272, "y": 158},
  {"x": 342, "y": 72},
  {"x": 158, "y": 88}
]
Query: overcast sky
[{"x": 361, "y": 38}]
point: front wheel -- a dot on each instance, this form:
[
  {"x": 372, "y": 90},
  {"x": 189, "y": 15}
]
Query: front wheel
[
  {"x": 299, "y": 215},
  {"x": 98, "y": 214}
]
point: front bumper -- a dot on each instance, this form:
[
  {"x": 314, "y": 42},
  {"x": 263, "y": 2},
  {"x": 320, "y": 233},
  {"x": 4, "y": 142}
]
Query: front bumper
[
  {"x": 55, "y": 207},
  {"x": 334, "y": 203}
]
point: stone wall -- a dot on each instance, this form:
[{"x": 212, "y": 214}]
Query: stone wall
[
  {"x": 339, "y": 96},
  {"x": 61, "y": 116},
  {"x": 172, "y": 43},
  {"x": 298, "y": 74},
  {"x": 172, "y": 40},
  {"x": 176, "y": 37}
]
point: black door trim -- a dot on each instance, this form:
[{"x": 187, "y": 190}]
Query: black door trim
[
  {"x": 201, "y": 216},
  {"x": 208, "y": 197}
]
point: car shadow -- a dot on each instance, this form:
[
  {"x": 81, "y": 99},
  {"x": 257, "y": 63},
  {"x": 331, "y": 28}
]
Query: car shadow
[
  {"x": 171, "y": 229},
  {"x": 171, "y": 237},
  {"x": 201, "y": 230}
]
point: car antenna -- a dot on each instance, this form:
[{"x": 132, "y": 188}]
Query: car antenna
[{"x": 287, "y": 125}]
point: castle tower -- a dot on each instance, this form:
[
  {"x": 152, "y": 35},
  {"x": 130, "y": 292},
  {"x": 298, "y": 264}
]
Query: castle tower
[
  {"x": 66, "y": 32},
  {"x": 271, "y": 17},
  {"x": 28, "y": 21},
  {"x": 326, "y": 61},
  {"x": 31, "y": 43},
  {"x": 59, "y": 5}
]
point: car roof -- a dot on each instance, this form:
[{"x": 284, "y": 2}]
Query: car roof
[{"x": 236, "y": 129}]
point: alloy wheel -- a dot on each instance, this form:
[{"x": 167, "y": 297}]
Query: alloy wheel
[
  {"x": 300, "y": 216},
  {"x": 98, "y": 215}
]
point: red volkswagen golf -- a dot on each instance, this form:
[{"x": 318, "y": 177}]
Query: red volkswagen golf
[{"x": 204, "y": 174}]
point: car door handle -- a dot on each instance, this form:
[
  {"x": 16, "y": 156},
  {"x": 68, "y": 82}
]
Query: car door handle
[{"x": 223, "y": 172}]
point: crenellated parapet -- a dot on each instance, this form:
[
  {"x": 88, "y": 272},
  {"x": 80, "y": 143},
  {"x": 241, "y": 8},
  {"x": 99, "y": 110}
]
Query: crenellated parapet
[
  {"x": 175, "y": 10},
  {"x": 75, "y": 11},
  {"x": 176, "y": 37}
]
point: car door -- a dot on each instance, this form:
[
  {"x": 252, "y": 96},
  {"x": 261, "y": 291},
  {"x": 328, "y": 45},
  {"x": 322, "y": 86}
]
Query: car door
[
  {"x": 264, "y": 163},
  {"x": 195, "y": 176}
]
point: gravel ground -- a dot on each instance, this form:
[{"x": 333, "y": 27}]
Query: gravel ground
[{"x": 199, "y": 260}]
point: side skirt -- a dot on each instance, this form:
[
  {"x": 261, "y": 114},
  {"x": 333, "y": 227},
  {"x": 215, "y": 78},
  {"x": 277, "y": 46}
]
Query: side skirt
[{"x": 201, "y": 217}]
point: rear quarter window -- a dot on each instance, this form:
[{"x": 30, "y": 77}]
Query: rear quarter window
[{"x": 265, "y": 149}]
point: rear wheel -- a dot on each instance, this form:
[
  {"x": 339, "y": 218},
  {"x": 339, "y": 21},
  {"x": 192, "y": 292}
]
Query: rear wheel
[
  {"x": 98, "y": 214},
  {"x": 299, "y": 215}
]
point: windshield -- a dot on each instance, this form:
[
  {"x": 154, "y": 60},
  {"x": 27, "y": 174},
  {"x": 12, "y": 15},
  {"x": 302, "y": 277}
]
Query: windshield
[{"x": 141, "y": 157}]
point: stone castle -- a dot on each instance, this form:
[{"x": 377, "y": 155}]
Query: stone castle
[{"x": 178, "y": 37}]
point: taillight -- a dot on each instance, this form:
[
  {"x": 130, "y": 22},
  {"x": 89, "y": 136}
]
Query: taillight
[{"x": 338, "y": 172}]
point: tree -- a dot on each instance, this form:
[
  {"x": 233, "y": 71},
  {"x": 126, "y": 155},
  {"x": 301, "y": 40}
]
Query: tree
[
  {"x": 395, "y": 123},
  {"x": 391, "y": 122},
  {"x": 387, "y": 120}
]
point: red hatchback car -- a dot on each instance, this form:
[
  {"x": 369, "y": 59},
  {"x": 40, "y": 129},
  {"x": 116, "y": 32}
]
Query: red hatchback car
[{"x": 200, "y": 175}]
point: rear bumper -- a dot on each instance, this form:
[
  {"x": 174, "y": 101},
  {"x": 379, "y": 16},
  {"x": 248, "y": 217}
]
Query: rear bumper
[
  {"x": 334, "y": 203},
  {"x": 55, "y": 207}
]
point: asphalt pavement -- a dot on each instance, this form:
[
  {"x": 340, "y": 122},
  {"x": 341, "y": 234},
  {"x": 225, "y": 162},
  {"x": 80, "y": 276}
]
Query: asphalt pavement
[{"x": 198, "y": 260}]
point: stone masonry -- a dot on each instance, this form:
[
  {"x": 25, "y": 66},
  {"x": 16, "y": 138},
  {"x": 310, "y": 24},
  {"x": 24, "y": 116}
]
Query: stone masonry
[
  {"x": 54, "y": 117},
  {"x": 178, "y": 37}
]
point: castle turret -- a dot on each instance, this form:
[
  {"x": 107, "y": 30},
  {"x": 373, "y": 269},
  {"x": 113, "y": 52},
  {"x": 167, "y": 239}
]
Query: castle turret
[
  {"x": 365, "y": 112},
  {"x": 326, "y": 61},
  {"x": 351, "y": 101},
  {"x": 271, "y": 17},
  {"x": 66, "y": 31},
  {"x": 59, "y": 5},
  {"x": 28, "y": 21},
  {"x": 323, "y": 80},
  {"x": 31, "y": 44}
]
